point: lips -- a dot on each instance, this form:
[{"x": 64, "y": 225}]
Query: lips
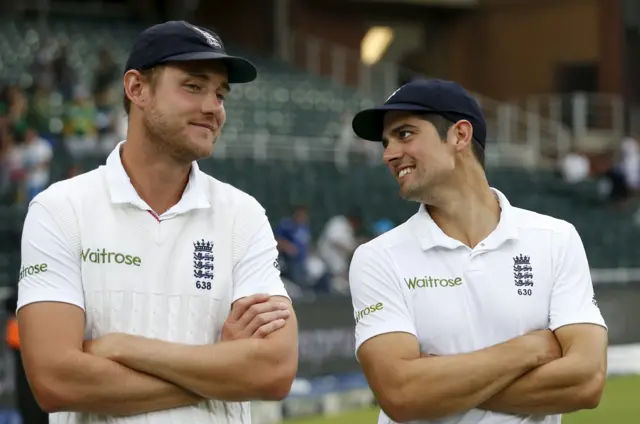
[
  {"x": 404, "y": 171},
  {"x": 204, "y": 125}
]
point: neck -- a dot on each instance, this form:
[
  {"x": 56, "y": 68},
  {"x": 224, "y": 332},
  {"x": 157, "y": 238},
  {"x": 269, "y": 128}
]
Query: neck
[
  {"x": 157, "y": 178},
  {"x": 466, "y": 210}
]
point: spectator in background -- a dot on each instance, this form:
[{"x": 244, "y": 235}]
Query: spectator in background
[
  {"x": 64, "y": 76},
  {"x": 17, "y": 110},
  {"x": 630, "y": 163},
  {"x": 106, "y": 122},
  {"x": 106, "y": 74},
  {"x": 5, "y": 168},
  {"x": 36, "y": 154},
  {"x": 29, "y": 409},
  {"x": 80, "y": 122},
  {"x": 41, "y": 109},
  {"x": 336, "y": 245},
  {"x": 42, "y": 66},
  {"x": 294, "y": 238},
  {"x": 575, "y": 167},
  {"x": 381, "y": 226}
]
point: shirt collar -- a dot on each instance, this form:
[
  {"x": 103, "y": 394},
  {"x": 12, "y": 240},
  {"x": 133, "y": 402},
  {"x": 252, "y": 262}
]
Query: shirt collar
[
  {"x": 430, "y": 235},
  {"x": 121, "y": 190}
]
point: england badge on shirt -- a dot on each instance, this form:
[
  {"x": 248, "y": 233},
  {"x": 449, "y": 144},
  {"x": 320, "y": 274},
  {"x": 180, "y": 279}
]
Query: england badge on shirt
[
  {"x": 203, "y": 264},
  {"x": 522, "y": 271}
]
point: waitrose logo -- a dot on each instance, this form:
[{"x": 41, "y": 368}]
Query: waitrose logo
[
  {"x": 28, "y": 270},
  {"x": 431, "y": 282},
  {"x": 368, "y": 311},
  {"x": 102, "y": 256}
]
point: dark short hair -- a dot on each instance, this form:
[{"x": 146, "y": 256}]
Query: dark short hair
[{"x": 443, "y": 125}]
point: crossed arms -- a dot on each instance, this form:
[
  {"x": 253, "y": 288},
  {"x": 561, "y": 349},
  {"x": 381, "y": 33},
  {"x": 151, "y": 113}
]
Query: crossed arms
[
  {"x": 524, "y": 376},
  {"x": 541, "y": 373},
  {"x": 122, "y": 374}
]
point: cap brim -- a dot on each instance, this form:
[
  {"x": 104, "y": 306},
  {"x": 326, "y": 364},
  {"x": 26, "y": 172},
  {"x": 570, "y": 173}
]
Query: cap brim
[
  {"x": 239, "y": 70},
  {"x": 369, "y": 124}
]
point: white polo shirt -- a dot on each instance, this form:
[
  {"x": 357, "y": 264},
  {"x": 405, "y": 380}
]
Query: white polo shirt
[
  {"x": 530, "y": 273},
  {"x": 91, "y": 241}
]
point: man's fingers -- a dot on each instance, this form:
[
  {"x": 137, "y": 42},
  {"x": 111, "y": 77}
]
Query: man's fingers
[
  {"x": 269, "y": 328},
  {"x": 240, "y": 306},
  {"x": 258, "y": 309},
  {"x": 266, "y": 318}
]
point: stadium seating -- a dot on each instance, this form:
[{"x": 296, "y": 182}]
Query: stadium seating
[
  {"x": 289, "y": 103},
  {"x": 284, "y": 101},
  {"x": 329, "y": 191}
]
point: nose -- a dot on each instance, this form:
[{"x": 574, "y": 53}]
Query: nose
[
  {"x": 391, "y": 154},
  {"x": 212, "y": 106}
]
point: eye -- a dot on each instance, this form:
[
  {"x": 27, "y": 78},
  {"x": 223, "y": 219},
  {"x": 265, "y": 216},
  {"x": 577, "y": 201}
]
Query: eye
[
  {"x": 220, "y": 97},
  {"x": 193, "y": 87},
  {"x": 404, "y": 134}
]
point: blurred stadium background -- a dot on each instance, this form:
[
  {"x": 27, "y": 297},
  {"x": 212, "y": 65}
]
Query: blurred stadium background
[{"x": 557, "y": 80}]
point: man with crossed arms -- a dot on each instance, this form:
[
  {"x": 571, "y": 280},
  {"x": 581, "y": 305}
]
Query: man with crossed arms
[
  {"x": 473, "y": 311},
  {"x": 150, "y": 292}
]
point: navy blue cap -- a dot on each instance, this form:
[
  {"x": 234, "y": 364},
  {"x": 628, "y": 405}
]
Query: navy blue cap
[
  {"x": 445, "y": 98},
  {"x": 177, "y": 41}
]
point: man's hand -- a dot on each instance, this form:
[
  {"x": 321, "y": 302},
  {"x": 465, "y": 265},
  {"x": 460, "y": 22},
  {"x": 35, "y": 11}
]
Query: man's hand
[
  {"x": 544, "y": 342},
  {"x": 106, "y": 346},
  {"x": 254, "y": 316}
]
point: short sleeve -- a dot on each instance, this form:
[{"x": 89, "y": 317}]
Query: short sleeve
[
  {"x": 378, "y": 303},
  {"x": 258, "y": 270},
  {"x": 572, "y": 298},
  {"x": 50, "y": 268}
]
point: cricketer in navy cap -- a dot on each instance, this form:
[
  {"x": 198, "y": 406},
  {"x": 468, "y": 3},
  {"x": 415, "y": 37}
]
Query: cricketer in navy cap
[
  {"x": 428, "y": 128},
  {"x": 441, "y": 97},
  {"x": 179, "y": 41},
  {"x": 176, "y": 80}
]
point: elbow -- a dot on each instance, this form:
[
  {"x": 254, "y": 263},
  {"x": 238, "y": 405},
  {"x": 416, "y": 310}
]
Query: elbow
[
  {"x": 396, "y": 405},
  {"x": 277, "y": 380},
  {"x": 401, "y": 407},
  {"x": 591, "y": 392},
  {"x": 278, "y": 386},
  {"x": 49, "y": 395}
]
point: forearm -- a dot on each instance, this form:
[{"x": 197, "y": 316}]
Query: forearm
[
  {"x": 558, "y": 387},
  {"x": 239, "y": 370},
  {"x": 457, "y": 383},
  {"x": 86, "y": 383}
]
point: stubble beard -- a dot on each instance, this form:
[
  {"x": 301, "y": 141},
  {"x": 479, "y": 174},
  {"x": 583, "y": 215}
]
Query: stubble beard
[{"x": 170, "y": 139}]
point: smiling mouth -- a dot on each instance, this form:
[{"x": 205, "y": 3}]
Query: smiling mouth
[
  {"x": 209, "y": 127},
  {"x": 405, "y": 171}
]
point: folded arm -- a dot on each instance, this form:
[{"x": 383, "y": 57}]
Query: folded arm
[
  {"x": 568, "y": 384},
  {"x": 411, "y": 387},
  {"x": 64, "y": 378},
  {"x": 238, "y": 370},
  {"x": 576, "y": 380},
  {"x": 407, "y": 385},
  {"x": 51, "y": 324}
]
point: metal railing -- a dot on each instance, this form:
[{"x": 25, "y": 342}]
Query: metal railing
[
  {"x": 595, "y": 120},
  {"x": 521, "y": 136}
]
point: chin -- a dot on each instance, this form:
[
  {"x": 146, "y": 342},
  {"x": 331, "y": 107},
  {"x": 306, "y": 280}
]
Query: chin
[
  {"x": 201, "y": 148},
  {"x": 412, "y": 194}
]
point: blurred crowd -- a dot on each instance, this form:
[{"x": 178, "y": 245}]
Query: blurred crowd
[
  {"x": 616, "y": 172},
  {"x": 57, "y": 112},
  {"x": 322, "y": 267},
  {"x": 60, "y": 114}
]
